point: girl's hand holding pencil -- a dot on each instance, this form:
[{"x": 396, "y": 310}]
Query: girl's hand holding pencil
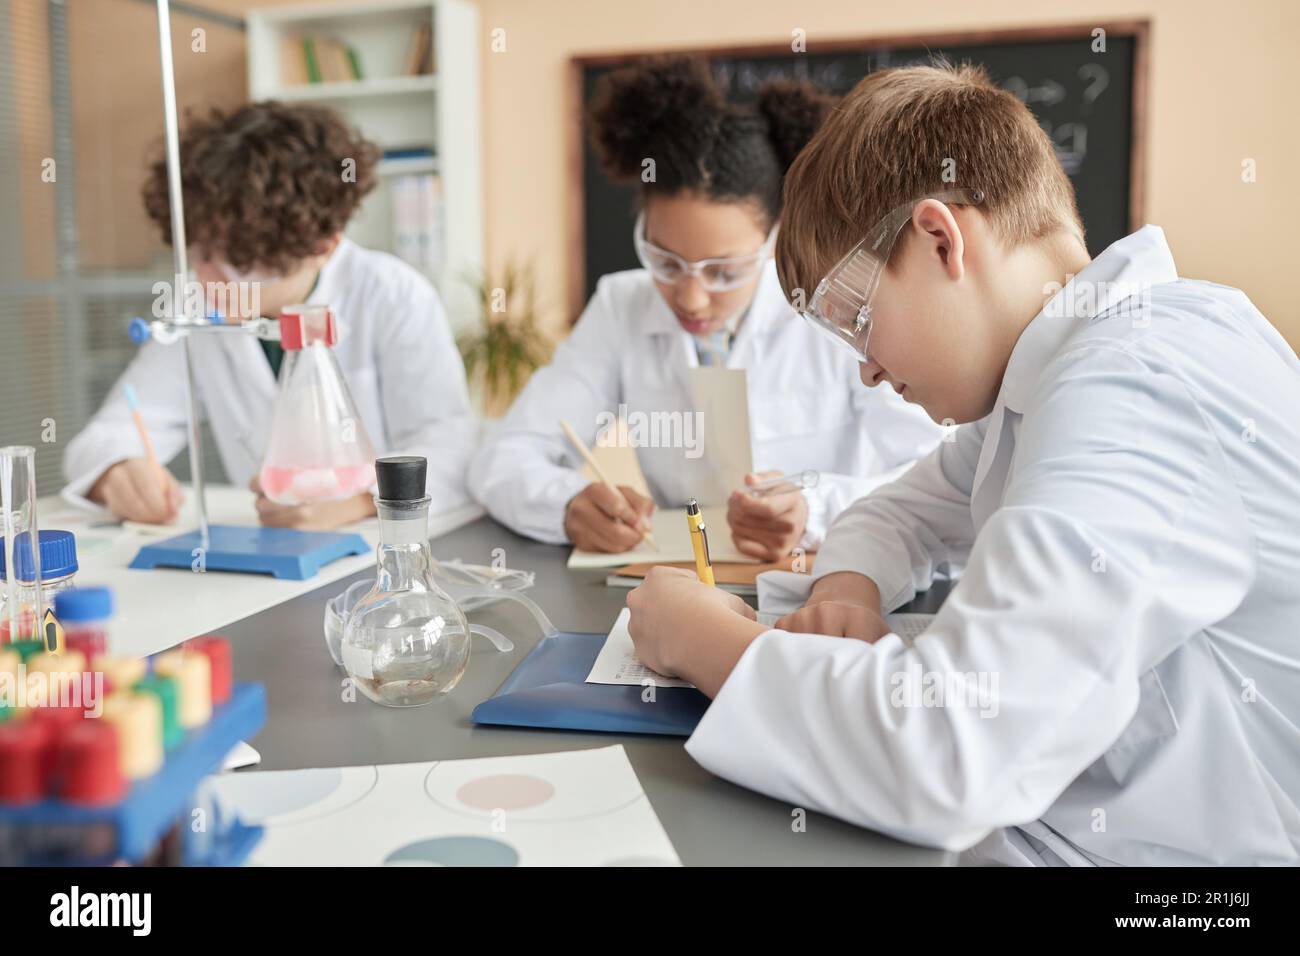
[{"x": 605, "y": 517}]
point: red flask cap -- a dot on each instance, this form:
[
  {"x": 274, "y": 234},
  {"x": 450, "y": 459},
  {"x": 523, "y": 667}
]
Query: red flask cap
[{"x": 301, "y": 325}]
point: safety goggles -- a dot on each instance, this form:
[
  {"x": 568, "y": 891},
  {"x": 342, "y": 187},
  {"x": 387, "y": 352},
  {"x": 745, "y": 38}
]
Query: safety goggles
[
  {"x": 841, "y": 306},
  {"x": 715, "y": 275},
  {"x": 228, "y": 272}
]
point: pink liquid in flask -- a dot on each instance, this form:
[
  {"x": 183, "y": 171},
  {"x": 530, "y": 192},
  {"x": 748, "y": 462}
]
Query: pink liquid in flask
[{"x": 306, "y": 485}]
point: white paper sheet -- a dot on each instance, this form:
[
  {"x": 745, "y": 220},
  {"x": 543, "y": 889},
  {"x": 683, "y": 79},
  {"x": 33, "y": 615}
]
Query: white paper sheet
[
  {"x": 573, "y": 808},
  {"x": 674, "y": 540},
  {"x": 721, "y": 396},
  {"x": 241, "y": 755},
  {"x": 908, "y": 626},
  {"x": 617, "y": 661},
  {"x": 617, "y": 458}
]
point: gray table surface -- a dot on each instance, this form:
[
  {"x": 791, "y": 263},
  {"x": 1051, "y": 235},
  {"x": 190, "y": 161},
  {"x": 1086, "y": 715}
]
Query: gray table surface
[{"x": 710, "y": 821}]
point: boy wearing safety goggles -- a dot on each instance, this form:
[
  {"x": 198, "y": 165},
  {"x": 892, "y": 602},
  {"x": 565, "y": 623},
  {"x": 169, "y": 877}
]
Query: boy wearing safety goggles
[
  {"x": 1116, "y": 677},
  {"x": 268, "y": 190},
  {"x": 709, "y": 177}
]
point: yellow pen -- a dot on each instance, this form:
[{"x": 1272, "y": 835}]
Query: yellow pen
[{"x": 699, "y": 541}]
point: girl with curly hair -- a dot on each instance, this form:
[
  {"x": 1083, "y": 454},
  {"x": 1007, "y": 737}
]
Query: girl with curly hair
[{"x": 710, "y": 175}]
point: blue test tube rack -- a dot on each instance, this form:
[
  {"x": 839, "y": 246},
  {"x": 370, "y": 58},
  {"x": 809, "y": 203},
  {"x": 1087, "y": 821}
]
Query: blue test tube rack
[{"x": 130, "y": 829}]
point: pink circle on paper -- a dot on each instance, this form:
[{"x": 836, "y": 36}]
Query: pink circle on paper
[{"x": 506, "y": 791}]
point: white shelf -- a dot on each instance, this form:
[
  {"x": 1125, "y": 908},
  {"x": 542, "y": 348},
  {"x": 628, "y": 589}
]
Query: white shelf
[
  {"x": 354, "y": 89},
  {"x": 408, "y": 165},
  {"x": 438, "y": 111},
  {"x": 329, "y": 12}
]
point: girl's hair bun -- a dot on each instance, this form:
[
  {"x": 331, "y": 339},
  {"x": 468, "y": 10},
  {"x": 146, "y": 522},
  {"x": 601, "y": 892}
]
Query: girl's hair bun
[
  {"x": 665, "y": 108},
  {"x": 669, "y": 109},
  {"x": 794, "y": 110}
]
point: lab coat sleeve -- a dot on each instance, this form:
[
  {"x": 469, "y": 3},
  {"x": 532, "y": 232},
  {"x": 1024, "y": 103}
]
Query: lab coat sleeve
[
  {"x": 895, "y": 434},
  {"x": 832, "y": 497},
  {"x": 157, "y": 373},
  {"x": 1031, "y": 670},
  {"x": 905, "y": 531},
  {"x": 526, "y": 473},
  {"x": 426, "y": 404}
]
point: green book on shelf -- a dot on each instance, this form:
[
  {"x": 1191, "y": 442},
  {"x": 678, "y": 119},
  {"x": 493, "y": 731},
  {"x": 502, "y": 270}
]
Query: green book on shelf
[
  {"x": 354, "y": 62},
  {"x": 309, "y": 54}
]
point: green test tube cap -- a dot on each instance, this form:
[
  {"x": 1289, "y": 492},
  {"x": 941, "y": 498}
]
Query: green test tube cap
[
  {"x": 26, "y": 649},
  {"x": 165, "y": 690}
]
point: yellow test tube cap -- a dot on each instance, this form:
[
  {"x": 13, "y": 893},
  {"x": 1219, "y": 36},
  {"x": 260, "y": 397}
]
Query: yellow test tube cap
[
  {"x": 69, "y": 662},
  {"x": 120, "y": 673},
  {"x": 138, "y": 720},
  {"x": 192, "y": 673}
]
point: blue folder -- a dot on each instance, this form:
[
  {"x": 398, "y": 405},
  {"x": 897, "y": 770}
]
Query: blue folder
[{"x": 549, "y": 689}]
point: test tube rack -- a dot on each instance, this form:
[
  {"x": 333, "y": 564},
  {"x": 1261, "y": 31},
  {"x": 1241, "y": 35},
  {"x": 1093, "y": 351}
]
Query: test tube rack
[{"x": 130, "y": 829}]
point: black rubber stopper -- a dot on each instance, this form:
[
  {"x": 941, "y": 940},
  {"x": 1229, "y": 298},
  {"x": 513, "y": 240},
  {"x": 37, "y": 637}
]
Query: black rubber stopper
[{"x": 401, "y": 478}]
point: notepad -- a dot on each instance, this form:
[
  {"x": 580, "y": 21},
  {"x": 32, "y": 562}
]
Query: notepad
[
  {"x": 674, "y": 540},
  {"x": 739, "y": 579},
  {"x": 721, "y": 399},
  {"x": 617, "y": 662}
]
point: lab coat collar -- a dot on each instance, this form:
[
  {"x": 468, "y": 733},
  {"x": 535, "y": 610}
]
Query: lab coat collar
[
  {"x": 1123, "y": 271},
  {"x": 331, "y": 274},
  {"x": 337, "y": 259}
]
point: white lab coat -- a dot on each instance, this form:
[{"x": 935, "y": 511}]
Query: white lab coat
[
  {"x": 396, "y": 352},
  {"x": 1133, "y": 502},
  {"x": 807, "y": 410}
]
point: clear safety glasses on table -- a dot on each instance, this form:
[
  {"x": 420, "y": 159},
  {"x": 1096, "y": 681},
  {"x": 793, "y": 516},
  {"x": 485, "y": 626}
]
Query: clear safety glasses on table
[
  {"x": 472, "y": 586},
  {"x": 841, "y": 306},
  {"x": 715, "y": 275}
]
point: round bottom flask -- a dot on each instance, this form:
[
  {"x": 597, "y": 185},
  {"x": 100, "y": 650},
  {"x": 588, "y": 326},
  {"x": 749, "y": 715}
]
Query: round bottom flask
[{"x": 407, "y": 641}]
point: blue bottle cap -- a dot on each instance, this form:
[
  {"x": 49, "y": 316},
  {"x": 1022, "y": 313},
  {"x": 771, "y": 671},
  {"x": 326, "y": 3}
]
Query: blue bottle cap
[
  {"x": 83, "y": 604},
  {"x": 58, "y": 555},
  {"x": 139, "y": 331}
]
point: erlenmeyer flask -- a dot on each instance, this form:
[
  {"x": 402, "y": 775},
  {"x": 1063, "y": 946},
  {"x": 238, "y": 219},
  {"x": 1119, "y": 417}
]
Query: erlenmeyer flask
[{"x": 318, "y": 449}]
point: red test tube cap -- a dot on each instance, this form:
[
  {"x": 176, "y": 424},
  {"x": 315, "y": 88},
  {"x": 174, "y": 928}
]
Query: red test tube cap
[
  {"x": 57, "y": 715},
  {"x": 92, "y": 642},
  {"x": 24, "y": 761},
  {"x": 86, "y": 764}
]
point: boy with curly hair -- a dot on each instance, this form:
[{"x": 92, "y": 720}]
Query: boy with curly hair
[{"x": 268, "y": 190}]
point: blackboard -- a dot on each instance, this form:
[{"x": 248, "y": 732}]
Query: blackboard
[{"x": 1089, "y": 101}]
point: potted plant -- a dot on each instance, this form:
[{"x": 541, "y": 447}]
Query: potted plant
[{"x": 509, "y": 345}]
